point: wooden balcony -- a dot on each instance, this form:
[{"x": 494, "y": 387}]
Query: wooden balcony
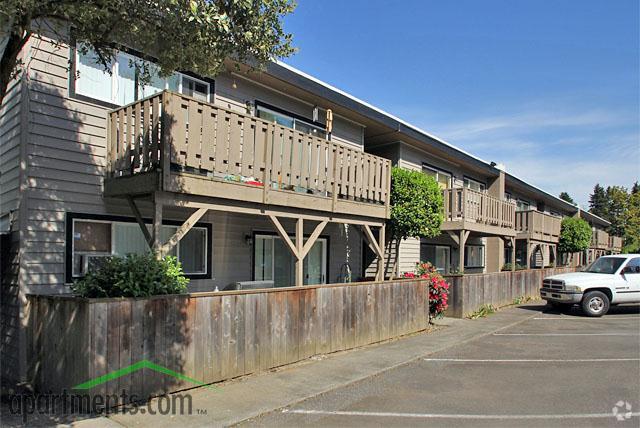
[
  {"x": 538, "y": 226},
  {"x": 615, "y": 244},
  {"x": 173, "y": 143},
  {"x": 466, "y": 209},
  {"x": 599, "y": 240}
]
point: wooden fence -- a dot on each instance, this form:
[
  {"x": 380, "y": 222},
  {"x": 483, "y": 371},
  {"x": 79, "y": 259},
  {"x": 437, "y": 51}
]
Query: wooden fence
[
  {"x": 210, "y": 337},
  {"x": 467, "y": 293}
]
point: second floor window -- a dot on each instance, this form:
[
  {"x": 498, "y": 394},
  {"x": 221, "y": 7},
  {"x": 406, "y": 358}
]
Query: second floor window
[
  {"x": 522, "y": 205},
  {"x": 290, "y": 121},
  {"x": 442, "y": 178},
  {"x": 472, "y": 184},
  {"x": 123, "y": 85}
]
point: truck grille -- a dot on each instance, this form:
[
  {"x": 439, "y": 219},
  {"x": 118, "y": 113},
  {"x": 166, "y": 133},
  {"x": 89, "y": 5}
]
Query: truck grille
[{"x": 554, "y": 284}]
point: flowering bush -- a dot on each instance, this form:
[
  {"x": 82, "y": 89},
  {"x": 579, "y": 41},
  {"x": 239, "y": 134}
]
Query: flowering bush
[{"x": 438, "y": 287}]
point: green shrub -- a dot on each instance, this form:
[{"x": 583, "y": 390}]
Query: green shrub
[
  {"x": 482, "y": 312},
  {"x": 507, "y": 267},
  {"x": 575, "y": 235},
  {"x": 134, "y": 275},
  {"x": 416, "y": 205}
]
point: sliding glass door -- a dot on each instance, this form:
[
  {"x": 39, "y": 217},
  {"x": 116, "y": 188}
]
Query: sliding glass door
[{"x": 272, "y": 260}]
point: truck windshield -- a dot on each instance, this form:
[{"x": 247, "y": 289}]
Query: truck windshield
[{"x": 607, "y": 265}]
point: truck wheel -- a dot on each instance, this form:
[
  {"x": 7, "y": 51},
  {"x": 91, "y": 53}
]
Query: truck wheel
[{"x": 595, "y": 304}]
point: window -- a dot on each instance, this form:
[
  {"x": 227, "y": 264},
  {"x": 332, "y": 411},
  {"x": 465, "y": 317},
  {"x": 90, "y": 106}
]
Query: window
[
  {"x": 442, "y": 178},
  {"x": 94, "y": 239},
  {"x": 438, "y": 255},
  {"x": 123, "y": 85},
  {"x": 272, "y": 261},
  {"x": 522, "y": 205},
  {"x": 474, "y": 256},
  {"x": 472, "y": 184},
  {"x": 290, "y": 121},
  {"x": 634, "y": 263}
]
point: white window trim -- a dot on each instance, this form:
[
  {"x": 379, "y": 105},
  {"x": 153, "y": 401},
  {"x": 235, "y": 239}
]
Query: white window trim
[
  {"x": 481, "y": 185},
  {"x": 438, "y": 173},
  {"x": 114, "y": 78},
  {"x": 112, "y": 253}
]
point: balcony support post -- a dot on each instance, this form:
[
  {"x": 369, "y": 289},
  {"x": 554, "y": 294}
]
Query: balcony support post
[
  {"x": 157, "y": 224},
  {"x": 528, "y": 254},
  {"x": 513, "y": 253},
  {"x": 377, "y": 245}
]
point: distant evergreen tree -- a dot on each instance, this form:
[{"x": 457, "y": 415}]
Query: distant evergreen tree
[
  {"x": 598, "y": 201},
  {"x": 617, "y": 209},
  {"x": 636, "y": 188},
  {"x": 566, "y": 197}
]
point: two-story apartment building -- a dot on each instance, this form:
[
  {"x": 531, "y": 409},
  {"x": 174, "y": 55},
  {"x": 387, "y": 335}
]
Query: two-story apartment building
[{"x": 250, "y": 178}]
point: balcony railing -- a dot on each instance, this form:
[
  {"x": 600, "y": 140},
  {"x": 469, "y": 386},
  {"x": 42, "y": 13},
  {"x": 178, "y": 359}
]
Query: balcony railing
[
  {"x": 537, "y": 225},
  {"x": 599, "y": 239},
  {"x": 195, "y": 140},
  {"x": 466, "y": 205},
  {"x": 615, "y": 244}
]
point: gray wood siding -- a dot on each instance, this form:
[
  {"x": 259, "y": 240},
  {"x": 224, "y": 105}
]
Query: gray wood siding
[
  {"x": 344, "y": 131},
  {"x": 10, "y": 134},
  {"x": 66, "y": 159}
]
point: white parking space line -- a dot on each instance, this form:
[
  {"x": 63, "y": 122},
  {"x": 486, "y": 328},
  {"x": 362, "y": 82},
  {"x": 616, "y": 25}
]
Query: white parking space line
[
  {"x": 566, "y": 334},
  {"x": 452, "y": 416},
  {"x": 587, "y": 319},
  {"x": 478, "y": 360}
]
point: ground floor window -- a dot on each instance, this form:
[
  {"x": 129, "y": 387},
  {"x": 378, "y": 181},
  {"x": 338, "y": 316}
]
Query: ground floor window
[
  {"x": 92, "y": 239},
  {"x": 438, "y": 255},
  {"x": 272, "y": 261},
  {"x": 474, "y": 256}
]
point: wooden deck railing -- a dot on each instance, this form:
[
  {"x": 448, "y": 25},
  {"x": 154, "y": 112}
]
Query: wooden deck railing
[
  {"x": 615, "y": 243},
  {"x": 599, "y": 239},
  {"x": 538, "y": 225},
  {"x": 173, "y": 132},
  {"x": 461, "y": 204}
]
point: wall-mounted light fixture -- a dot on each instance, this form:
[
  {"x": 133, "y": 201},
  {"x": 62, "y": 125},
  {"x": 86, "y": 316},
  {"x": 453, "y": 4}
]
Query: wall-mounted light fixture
[{"x": 248, "y": 239}]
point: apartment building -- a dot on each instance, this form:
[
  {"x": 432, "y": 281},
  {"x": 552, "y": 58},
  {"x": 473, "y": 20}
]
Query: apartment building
[{"x": 251, "y": 179}]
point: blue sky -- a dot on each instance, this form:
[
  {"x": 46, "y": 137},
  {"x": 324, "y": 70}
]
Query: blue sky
[{"x": 549, "y": 88}]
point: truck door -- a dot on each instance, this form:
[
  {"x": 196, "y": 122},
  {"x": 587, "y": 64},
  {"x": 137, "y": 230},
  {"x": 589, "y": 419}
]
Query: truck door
[{"x": 629, "y": 289}]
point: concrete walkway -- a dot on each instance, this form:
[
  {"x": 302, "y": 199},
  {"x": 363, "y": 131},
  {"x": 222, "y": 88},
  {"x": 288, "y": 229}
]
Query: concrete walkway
[{"x": 245, "y": 398}]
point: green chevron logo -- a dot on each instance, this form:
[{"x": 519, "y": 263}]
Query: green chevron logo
[{"x": 142, "y": 364}]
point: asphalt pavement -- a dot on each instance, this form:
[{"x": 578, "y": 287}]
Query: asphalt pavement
[{"x": 553, "y": 369}]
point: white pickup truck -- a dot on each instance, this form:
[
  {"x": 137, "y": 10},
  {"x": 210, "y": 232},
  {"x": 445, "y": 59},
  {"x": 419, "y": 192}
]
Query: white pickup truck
[{"x": 610, "y": 280}]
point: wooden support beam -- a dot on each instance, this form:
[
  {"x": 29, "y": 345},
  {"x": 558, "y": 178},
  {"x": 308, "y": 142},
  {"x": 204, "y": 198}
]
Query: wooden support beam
[
  {"x": 299, "y": 250},
  {"x": 183, "y": 230},
  {"x": 381, "y": 245},
  {"x": 452, "y": 234},
  {"x": 513, "y": 254},
  {"x": 312, "y": 239},
  {"x": 284, "y": 235},
  {"x": 140, "y": 221},
  {"x": 462, "y": 240},
  {"x": 372, "y": 240},
  {"x": 157, "y": 225}
]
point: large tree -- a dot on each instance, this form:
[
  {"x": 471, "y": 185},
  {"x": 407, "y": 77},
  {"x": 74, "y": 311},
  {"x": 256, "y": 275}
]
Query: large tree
[
  {"x": 632, "y": 230},
  {"x": 567, "y": 198},
  {"x": 598, "y": 201},
  {"x": 617, "y": 209},
  {"x": 194, "y": 35}
]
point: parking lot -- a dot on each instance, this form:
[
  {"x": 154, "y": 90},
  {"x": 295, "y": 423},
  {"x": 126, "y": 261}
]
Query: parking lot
[{"x": 554, "y": 369}]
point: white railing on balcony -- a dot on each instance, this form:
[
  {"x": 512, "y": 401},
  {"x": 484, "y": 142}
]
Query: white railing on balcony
[
  {"x": 461, "y": 204},
  {"x": 173, "y": 132}
]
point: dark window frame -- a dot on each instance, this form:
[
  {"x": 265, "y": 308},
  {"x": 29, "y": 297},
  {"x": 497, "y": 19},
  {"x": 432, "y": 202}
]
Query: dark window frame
[
  {"x": 259, "y": 103},
  {"x": 270, "y": 233},
  {"x": 484, "y": 256},
  {"x": 71, "y": 216}
]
